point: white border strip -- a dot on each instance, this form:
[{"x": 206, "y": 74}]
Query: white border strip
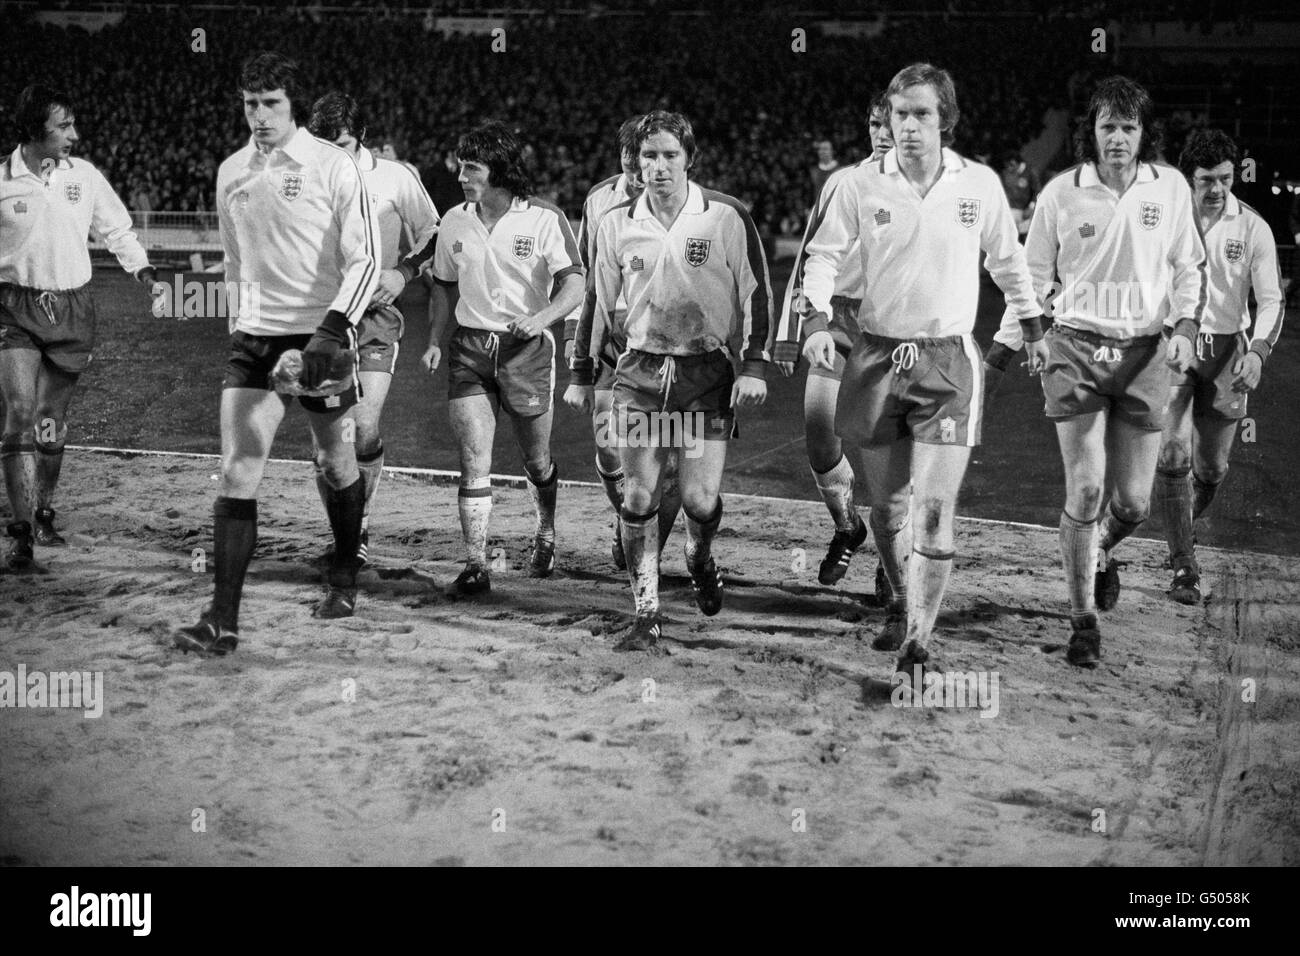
[{"x": 519, "y": 481}]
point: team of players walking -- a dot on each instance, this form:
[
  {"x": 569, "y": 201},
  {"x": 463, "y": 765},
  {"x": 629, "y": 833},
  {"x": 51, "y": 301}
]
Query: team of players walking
[{"x": 1146, "y": 365}]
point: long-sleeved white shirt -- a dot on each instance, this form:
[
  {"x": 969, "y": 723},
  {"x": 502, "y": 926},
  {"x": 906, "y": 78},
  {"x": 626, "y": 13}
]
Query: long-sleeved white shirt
[
  {"x": 688, "y": 289},
  {"x": 45, "y": 220},
  {"x": 299, "y": 223},
  {"x": 848, "y": 282},
  {"x": 401, "y": 204},
  {"x": 920, "y": 257},
  {"x": 1116, "y": 266},
  {"x": 1242, "y": 255}
]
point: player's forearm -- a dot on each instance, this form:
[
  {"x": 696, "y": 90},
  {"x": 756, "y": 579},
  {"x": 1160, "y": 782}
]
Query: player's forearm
[
  {"x": 442, "y": 306},
  {"x": 567, "y": 298}
]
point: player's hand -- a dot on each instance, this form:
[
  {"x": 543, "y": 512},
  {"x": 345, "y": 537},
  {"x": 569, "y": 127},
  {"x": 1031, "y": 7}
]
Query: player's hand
[
  {"x": 1038, "y": 354},
  {"x": 1246, "y": 372},
  {"x": 580, "y": 398},
  {"x": 430, "y": 359},
  {"x": 391, "y": 284},
  {"x": 749, "y": 390},
  {"x": 819, "y": 350},
  {"x": 317, "y": 359},
  {"x": 1179, "y": 353},
  {"x": 568, "y": 353},
  {"x": 786, "y": 368},
  {"x": 527, "y": 326}
]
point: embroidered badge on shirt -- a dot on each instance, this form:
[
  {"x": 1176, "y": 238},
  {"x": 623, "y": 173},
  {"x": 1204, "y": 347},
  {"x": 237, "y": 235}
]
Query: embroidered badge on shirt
[
  {"x": 637, "y": 264},
  {"x": 1234, "y": 249},
  {"x": 523, "y": 247},
  {"x": 968, "y": 212},
  {"x": 1087, "y": 230},
  {"x": 291, "y": 185},
  {"x": 947, "y": 429},
  {"x": 72, "y": 192},
  {"x": 697, "y": 251},
  {"x": 456, "y": 247},
  {"x": 1149, "y": 213},
  {"x": 20, "y": 208},
  {"x": 882, "y": 217}
]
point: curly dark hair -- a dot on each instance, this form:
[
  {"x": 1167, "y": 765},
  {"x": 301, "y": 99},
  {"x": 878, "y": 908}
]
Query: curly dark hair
[
  {"x": 495, "y": 145},
  {"x": 33, "y": 108},
  {"x": 1121, "y": 97},
  {"x": 1205, "y": 149},
  {"x": 662, "y": 121},
  {"x": 940, "y": 80},
  {"x": 267, "y": 71},
  {"x": 335, "y": 112}
]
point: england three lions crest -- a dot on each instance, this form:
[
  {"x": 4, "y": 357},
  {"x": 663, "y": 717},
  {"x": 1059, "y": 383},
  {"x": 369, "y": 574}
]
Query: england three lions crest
[
  {"x": 523, "y": 247},
  {"x": 1234, "y": 249},
  {"x": 1149, "y": 214},
  {"x": 968, "y": 212},
  {"x": 72, "y": 192},
  {"x": 291, "y": 185},
  {"x": 697, "y": 251}
]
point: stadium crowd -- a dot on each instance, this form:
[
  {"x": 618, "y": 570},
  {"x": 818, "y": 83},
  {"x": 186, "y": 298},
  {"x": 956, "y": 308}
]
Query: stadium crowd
[{"x": 157, "y": 117}]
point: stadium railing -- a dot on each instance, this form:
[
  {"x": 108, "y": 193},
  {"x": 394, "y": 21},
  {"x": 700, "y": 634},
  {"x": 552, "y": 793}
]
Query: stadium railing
[{"x": 179, "y": 233}]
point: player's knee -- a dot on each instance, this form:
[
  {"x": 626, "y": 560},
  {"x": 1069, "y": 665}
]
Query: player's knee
[
  {"x": 608, "y": 459},
  {"x": 1175, "y": 456},
  {"x": 934, "y": 523},
  {"x": 700, "y": 499},
  {"x": 240, "y": 477},
  {"x": 1083, "y": 500},
  {"x": 824, "y": 451},
  {"x": 1211, "y": 472},
  {"x": 339, "y": 471},
  {"x": 1131, "y": 508},
  {"x": 20, "y": 414},
  {"x": 638, "y": 497},
  {"x": 538, "y": 465}
]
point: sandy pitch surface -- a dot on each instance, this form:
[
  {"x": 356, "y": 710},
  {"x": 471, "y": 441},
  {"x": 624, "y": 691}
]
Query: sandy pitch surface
[{"x": 506, "y": 730}]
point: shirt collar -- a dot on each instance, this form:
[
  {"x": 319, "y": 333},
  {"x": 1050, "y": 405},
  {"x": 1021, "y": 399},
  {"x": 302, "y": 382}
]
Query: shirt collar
[
  {"x": 1231, "y": 208},
  {"x": 19, "y": 168},
  {"x": 301, "y": 147},
  {"x": 367, "y": 160},
  {"x": 1087, "y": 175},
  {"x": 695, "y": 203},
  {"x": 953, "y": 162}
]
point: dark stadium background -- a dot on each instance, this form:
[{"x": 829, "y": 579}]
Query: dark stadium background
[{"x": 157, "y": 117}]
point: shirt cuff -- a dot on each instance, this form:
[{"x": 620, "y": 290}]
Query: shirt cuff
[
  {"x": 1186, "y": 328},
  {"x": 999, "y": 355},
  {"x": 1032, "y": 329},
  {"x": 817, "y": 322},
  {"x": 756, "y": 368},
  {"x": 583, "y": 372},
  {"x": 1262, "y": 349},
  {"x": 785, "y": 352}
]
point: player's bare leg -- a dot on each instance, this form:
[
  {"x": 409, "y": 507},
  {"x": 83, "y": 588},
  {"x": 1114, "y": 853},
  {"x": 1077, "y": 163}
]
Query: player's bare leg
[
  {"x": 1173, "y": 471},
  {"x": 700, "y": 478},
  {"x": 833, "y": 474},
  {"x": 887, "y": 470},
  {"x": 640, "y": 530},
  {"x": 1131, "y": 455},
  {"x": 19, "y": 370},
  {"x": 609, "y": 465},
  {"x": 368, "y": 446},
  {"x": 250, "y": 418},
  {"x": 533, "y": 435},
  {"x": 54, "y": 388},
  {"x": 670, "y": 496},
  {"x": 1083, "y": 452},
  {"x": 344, "y": 504},
  {"x": 937, "y": 472},
  {"x": 1211, "y": 447},
  {"x": 473, "y": 422}
]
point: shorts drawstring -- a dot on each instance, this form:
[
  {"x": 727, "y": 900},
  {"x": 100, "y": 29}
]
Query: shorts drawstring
[
  {"x": 494, "y": 349},
  {"x": 1204, "y": 341},
  {"x": 668, "y": 374},
  {"x": 904, "y": 356},
  {"x": 46, "y": 301},
  {"x": 1106, "y": 353}
]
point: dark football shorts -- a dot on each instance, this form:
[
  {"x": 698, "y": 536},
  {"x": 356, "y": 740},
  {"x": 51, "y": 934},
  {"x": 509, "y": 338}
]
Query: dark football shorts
[
  {"x": 253, "y": 358},
  {"x": 607, "y": 362},
  {"x": 519, "y": 372},
  {"x": 379, "y": 337},
  {"x": 1088, "y": 373},
  {"x": 929, "y": 390},
  {"x": 844, "y": 330},
  {"x": 1210, "y": 377},
  {"x": 673, "y": 397},
  {"x": 59, "y": 325}
]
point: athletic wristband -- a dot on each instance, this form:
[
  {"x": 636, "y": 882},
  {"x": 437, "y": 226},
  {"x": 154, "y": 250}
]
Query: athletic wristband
[
  {"x": 335, "y": 328},
  {"x": 1262, "y": 349},
  {"x": 754, "y": 368},
  {"x": 1186, "y": 328},
  {"x": 998, "y": 356},
  {"x": 817, "y": 322},
  {"x": 583, "y": 372},
  {"x": 1032, "y": 329},
  {"x": 786, "y": 352}
]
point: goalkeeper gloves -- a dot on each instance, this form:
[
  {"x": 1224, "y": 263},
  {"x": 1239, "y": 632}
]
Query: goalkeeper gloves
[{"x": 332, "y": 336}]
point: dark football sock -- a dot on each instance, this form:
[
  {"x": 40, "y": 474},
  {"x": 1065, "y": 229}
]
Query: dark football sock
[
  {"x": 235, "y": 532},
  {"x": 344, "y": 507}
]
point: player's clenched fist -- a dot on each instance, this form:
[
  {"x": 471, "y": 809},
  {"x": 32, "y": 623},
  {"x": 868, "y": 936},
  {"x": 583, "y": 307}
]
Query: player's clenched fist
[
  {"x": 1180, "y": 353},
  {"x": 1246, "y": 372},
  {"x": 430, "y": 359},
  {"x": 819, "y": 350},
  {"x": 580, "y": 398},
  {"x": 749, "y": 390}
]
